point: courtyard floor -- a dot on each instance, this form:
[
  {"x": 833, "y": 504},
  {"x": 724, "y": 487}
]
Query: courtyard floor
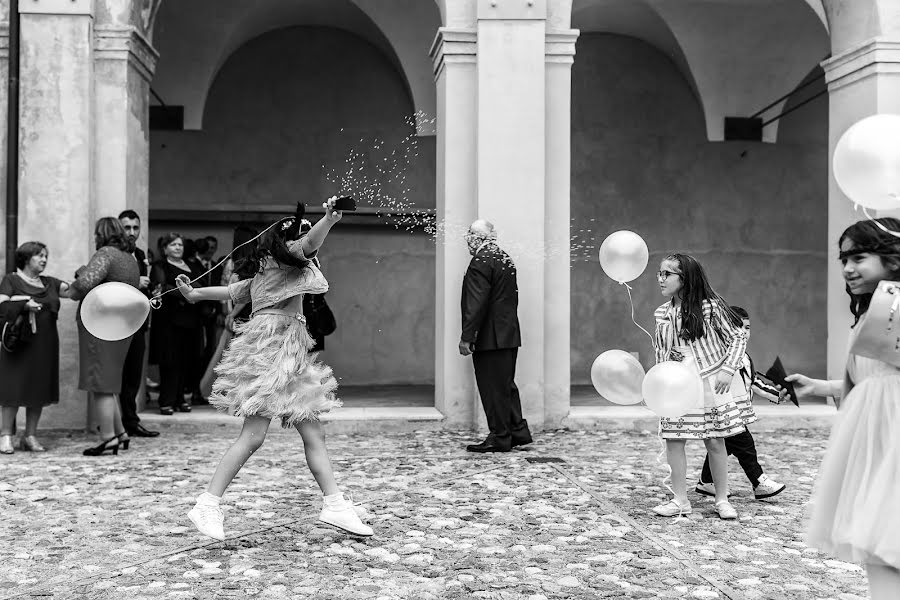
[{"x": 567, "y": 517}]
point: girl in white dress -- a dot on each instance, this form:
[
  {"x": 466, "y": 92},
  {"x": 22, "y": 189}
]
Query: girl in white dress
[{"x": 854, "y": 506}]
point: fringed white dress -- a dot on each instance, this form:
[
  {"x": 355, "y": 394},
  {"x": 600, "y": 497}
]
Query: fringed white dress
[{"x": 268, "y": 371}]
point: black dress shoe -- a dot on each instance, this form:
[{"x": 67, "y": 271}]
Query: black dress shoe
[
  {"x": 184, "y": 407},
  {"x": 489, "y": 445},
  {"x": 521, "y": 440},
  {"x": 198, "y": 400},
  {"x": 140, "y": 431},
  {"x": 166, "y": 410}
]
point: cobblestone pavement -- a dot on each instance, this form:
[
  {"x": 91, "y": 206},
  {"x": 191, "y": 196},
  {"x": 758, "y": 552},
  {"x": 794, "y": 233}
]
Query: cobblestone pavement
[{"x": 448, "y": 524}]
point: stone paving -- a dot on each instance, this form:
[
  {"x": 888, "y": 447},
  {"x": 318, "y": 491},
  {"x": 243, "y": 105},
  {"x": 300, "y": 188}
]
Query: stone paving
[{"x": 448, "y": 524}]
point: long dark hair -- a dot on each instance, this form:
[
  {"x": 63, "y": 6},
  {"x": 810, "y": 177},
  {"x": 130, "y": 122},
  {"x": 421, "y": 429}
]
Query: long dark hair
[
  {"x": 695, "y": 288},
  {"x": 241, "y": 254},
  {"x": 109, "y": 232},
  {"x": 273, "y": 243},
  {"x": 869, "y": 238}
]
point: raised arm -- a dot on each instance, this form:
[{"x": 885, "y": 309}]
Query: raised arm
[{"x": 313, "y": 240}]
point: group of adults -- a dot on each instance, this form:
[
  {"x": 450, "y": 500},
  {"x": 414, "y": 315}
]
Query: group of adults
[{"x": 112, "y": 372}]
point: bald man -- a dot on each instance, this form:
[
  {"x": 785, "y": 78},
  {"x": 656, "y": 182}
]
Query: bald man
[{"x": 490, "y": 333}]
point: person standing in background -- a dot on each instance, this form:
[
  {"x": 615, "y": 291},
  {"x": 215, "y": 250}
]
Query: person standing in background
[{"x": 133, "y": 371}]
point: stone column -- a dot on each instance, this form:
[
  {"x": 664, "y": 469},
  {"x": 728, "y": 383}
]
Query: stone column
[
  {"x": 4, "y": 91},
  {"x": 124, "y": 62},
  {"x": 454, "y": 55},
  {"x": 863, "y": 80},
  {"x": 511, "y": 167},
  {"x": 560, "y": 52},
  {"x": 55, "y": 190}
]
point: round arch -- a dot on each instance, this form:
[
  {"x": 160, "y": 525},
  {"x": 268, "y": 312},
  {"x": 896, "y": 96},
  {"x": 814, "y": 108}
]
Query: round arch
[{"x": 195, "y": 43}]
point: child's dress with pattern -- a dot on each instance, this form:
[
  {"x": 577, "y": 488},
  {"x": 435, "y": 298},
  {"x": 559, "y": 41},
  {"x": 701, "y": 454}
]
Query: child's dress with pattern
[
  {"x": 721, "y": 348},
  {"x": 854, "y": 514}
]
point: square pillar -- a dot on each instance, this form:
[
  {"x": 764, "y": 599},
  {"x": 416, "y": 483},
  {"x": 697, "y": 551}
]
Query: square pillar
[
  {"x": 124, "y": 62},
  {"x": 559, "y": 56},
  {"x": 511, "y": 167},
  {"x": 55, "y": 188},
  {"x": 454, "y": 55},
  {"x": 862, "y": 81}
]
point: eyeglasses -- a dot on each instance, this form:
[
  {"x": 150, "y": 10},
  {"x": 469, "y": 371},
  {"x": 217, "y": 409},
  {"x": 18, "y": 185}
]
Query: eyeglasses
[{"x": 663, "y": 275}]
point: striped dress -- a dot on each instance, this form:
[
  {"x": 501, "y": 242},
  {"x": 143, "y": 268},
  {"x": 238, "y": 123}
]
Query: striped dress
[{"x": 720, "y": 349}]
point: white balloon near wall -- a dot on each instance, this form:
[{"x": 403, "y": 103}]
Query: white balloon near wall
[
  {"x": 866, "y": 162},
  {"x": 624, "y": 256}
]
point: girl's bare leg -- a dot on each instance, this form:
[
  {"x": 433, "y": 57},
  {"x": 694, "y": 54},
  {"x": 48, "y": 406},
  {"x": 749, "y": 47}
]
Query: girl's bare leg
[{"x": 252, "y": 436}]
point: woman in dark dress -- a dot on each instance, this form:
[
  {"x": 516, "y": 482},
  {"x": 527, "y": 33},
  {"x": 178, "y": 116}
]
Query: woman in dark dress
[
  {"x": 176, "y": 334},
  {"x": 101, "y": 361},
  {"x": 30, "y": 373}
]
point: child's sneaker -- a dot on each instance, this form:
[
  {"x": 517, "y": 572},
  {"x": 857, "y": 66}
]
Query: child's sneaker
[
  {"x": 209, "y": 520},
  {"x": 767, "y": 487},
  {"x": 707, "y": 489},
  {"x": 343, "y": 515}
]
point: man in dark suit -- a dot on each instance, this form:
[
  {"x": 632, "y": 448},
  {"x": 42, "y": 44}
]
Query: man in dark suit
[
  {"x": 133, "y": 371},
  {"x": 490, "y": 333}
]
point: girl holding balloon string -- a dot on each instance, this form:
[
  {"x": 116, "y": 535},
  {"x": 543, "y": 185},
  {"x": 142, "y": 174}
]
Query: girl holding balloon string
[
  {"x": 697, "y": 327},
  {"x": 268, "y": 372}
]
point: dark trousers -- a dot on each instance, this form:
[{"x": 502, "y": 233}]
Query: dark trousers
[
  {"x": 744, "y": 449},
  {"x": 178, "y": 363},
  {"x": 132, "y": 373},
  {"x": 208, "y": 333},
  {"x": 495, "y": 372}
]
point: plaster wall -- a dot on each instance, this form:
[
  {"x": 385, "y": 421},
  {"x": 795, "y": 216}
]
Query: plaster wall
[
  {"x": 754, "y": 214},
  {"x": 55, "y": 171},
  {"x": 285, "y": 110}
]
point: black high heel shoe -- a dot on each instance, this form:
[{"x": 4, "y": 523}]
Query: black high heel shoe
[
  {"x": 103, "y": 447},
  {"x": 124, "y": 442}
]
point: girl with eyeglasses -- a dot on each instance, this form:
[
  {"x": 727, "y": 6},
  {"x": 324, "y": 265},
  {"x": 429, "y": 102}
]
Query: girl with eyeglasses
[{"x": 696, "y": 326}]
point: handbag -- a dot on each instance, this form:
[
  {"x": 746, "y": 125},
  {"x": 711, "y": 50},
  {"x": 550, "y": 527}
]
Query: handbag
[
  {"x": 16, "y": 328},
  {"x": 879, "y": 330},
  {"x": 319, "y": 319}
]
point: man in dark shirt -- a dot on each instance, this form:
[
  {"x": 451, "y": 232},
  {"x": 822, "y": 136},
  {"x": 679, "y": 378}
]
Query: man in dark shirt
[
  {"x": 133, "y": 370},
  {"x": 490, "y": 333}
]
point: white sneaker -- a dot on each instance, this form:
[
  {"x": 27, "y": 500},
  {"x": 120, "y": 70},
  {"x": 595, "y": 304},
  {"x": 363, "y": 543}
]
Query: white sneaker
[
  {"x": 707, "y": 489},
  {"x": 767, "y": 488},
  {"x": 344, "y": 516},
  {"x": 209, "y": 520}
]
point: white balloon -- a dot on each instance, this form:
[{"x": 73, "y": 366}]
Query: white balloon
[
  {"x": 624, "y": 256},
  {"x": 114, "y": 311},
  {"x": 617, "y": 376},
  {"x": 671, "y": 389},
  {"x": 867, "y": 162}
]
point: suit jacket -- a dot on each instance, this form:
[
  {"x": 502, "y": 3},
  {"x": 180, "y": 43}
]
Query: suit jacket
[
  {"x": 490, "y": 301},
  {"x": 143, "y": 270}
]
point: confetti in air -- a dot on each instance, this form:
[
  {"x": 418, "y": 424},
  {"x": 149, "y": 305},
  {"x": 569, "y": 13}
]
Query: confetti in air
[{"x": 376, "y": 173}]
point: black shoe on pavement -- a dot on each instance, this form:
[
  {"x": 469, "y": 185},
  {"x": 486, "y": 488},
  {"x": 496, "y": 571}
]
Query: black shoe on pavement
[
  {"x": 197, "y": 399},
  {"x": 186, "y": 407},
  {"x": 166, "y": 410},
  {"x": 489, "y": 445},
  {"x": 140, "y": 431}
]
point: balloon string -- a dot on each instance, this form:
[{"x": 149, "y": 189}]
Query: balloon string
[
  {"x": 631, "y": 301},
  {"x": 880, "y": 226},
  {"x": 156, "y": 301}
]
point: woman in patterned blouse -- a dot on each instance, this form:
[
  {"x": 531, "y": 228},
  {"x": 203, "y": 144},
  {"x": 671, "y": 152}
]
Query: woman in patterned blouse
[
  {"x": 101, "y": 361},
  {"x": 698, "y": 327}
]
